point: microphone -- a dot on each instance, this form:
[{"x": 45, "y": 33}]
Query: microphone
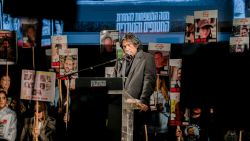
[
  {"x": 127, "y": 57},
  {"x": 122, "y": 58}
]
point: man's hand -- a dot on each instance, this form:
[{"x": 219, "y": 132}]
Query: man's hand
[
  {"x": 138, "y": 103},
  {"x": 132, "y": 101},
  {"x": 144, "y": 107}
]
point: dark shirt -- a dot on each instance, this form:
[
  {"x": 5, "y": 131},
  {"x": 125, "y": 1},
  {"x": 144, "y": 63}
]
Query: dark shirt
[{"x": 129, "y": 62}]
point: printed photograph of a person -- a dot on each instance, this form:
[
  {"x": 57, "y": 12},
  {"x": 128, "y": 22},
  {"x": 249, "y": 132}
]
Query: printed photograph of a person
[
  {"x": 8, "y": 47},
  {"x": 108, "y": 40},
  {"x": 55, "y": 54},
  {"x": 68, "y": 66},
  {"x": 161, "y": 53},
  {"x": 176, "y": 76},
  {"x": 6, "y": 51},
  {"x": 239, "y": 48},
  {"x": 161, "y": 62},
  {"x": 68, "y": 62},
  {"x": 57, "y": 42},
  {"x": 29, "y": 35},
  {"x": 244, "y": 31},
  {"x": 206, "y": 30},
  {"x": 239, "y": 44}
]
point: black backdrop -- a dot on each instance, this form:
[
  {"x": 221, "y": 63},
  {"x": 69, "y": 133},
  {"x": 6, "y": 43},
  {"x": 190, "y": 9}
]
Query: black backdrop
[
  {"x": 51, "y": 9},
  {"x": 213, "y": 77}
]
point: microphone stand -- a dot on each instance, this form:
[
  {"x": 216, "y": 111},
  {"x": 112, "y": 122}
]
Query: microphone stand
[{"x": 89, "y": 68}]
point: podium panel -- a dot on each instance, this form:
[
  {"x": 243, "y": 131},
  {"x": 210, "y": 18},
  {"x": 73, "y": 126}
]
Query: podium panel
[
  {"x": 88, "y": 111},
  {"x": 96, "y": 108}
]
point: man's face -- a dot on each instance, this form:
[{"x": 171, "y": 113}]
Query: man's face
[
  {"x": 129, "y": 48},
  {"x": 204, "y": 32},
  {"x": 158, "y": 60},
  {"x": 108, "y": 45},
  {"x": 68, "y": 65}
]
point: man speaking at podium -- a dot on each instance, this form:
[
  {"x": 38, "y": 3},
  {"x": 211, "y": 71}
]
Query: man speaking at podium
[{"x": 138, "y": 69}]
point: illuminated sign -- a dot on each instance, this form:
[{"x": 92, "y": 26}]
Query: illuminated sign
[
  {"x": 144, "y": 22},
  {"x": 84, "y": 2}
]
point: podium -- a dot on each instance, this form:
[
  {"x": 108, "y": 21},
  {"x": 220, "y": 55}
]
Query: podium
[
  {"x": 105, "y": 102},
  {"x": 98, "y": 102}
]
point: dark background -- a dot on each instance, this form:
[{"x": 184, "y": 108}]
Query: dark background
[
  {"x": 51, "y": 9},
  {"x": 211, "y": 76}
]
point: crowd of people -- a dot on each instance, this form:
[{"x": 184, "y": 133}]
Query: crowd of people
[
  {"x": 23, "y": 120},
  {"x": 51, "y": 121}
]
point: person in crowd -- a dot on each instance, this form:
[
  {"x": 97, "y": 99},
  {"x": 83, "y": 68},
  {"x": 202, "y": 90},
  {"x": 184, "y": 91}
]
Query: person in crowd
[
  {"x": 244, "y": 31},
  {"x": 5, "y": 85},
  {"x": 139, "y": 71},
  {"x": 204, "y": 28},
  {"x": 196, "y": 130},
  {"x": 43, "y": 130},
  {"x": 57, "y": 109},
  {"x": 159, "y": 105},
  {"x": 6, "y": 51},
  {"x": 29, "y": 40},
  {"x": 13, "y": 101},
  {"x": 160, "y": 100},
  {"x": 8, "y": 119},
  {"x": 5, "y": 82}
]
